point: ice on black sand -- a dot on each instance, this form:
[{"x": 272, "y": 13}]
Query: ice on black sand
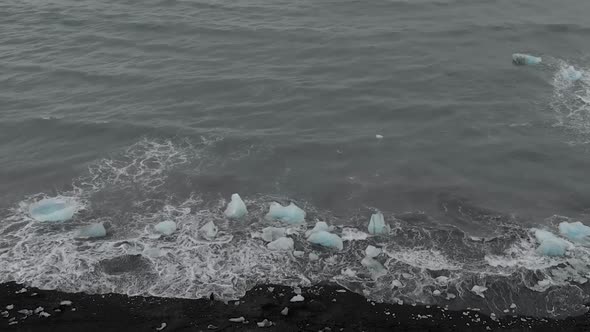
[{"x": 297, "y": 298}]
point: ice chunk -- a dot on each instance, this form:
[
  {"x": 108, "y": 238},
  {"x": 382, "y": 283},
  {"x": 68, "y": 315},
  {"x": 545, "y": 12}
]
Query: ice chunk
[
  {"x": 372, "y": 251},
  {"x": 377, "y": 224},
  {"x": 297, "y": 298},
  {"x": 285, "y": 311},
  {"x": 208, "y": 231},
  {"x": 319, "y": 226},
  {"x": 53, "y": 209},
  {"x": 270, "y": 234},
  {"x": 281, "y": 244},
  {"x": 442, "y": 280},
  {"x": 236, "y": 209},
  {"x": 377, "y": 270},
  {"x": 353, "y": 234},
  {"x": 313, "y": 256},
  {"x": 298, "y": 253},
  {"x": 238, "y": 320},
  {"x": 575, "y": 231},
  {"x": 326, "y": 239},
  {"x": 379, "y": 136},
  {"x": 264, "y": 323},
  {"x": 165, "y": 227},
  {"x": 162, "y": 326},
  {"x": 551, "y": 245},
  {"x": 478, "y": 290},
  {"x": 66, "y": 303},
  {"x": 525, "y": 59},
  {"x": 571, "y": 74},
  {"x": 348, "y": 272},
  {"x": 92, "y": 231},
  {"x": 396, "y": 284},
  {"x": 436, "y": 292},
  {"x": 290, "y": 214}
]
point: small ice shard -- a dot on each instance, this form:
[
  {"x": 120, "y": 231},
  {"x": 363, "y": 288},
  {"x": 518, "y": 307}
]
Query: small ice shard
[
  {"x": 348, "y": 272},
  {"x": 38, "y": 310},
  {"x": 281, "y": 244},
  {"x": 66, "y": 303},
  {"x": 478, "y": 290},
  {"x": 208, "y": 231},
  {"x": 44, "y": 314},
  {"x": 513, "y": 306},
  {"x": 290, "y": 214},
  {"x": 53, "y": 209},
  {"x": 313, "y": 256},
  {"x": 10, "y": 307},
  {"x": 575, "y": 231},
  {"x": 236, "y": 209},
  {"x": 165, "y": 227},
  {"x": 298, "y": 253},
  {"x": 22, "y": 290},
  {"x": 264, "y": 323},
  {"x": 372, "y": 251},
  {"x": 319, "y": 226},
  {"x": 163, "y": 326},
  {"x": 551, "y": 245},
  {"x": 377, "y": 270},
  {"x": 379, "y": 136},
  {"x": 297, "y": 298},
  {"x": 353, "y": 234},
  {"x": 525, "y": 59},
  {"x": 571, "y": 74},
  {"x": 326, "y": 239},
  {"x": 285, "y": 311},
  {"x": 92, "y": 231},
  {"x": 377, "y": 224},
  {"x": 237, "y": 320},
  {"x": 436, "y": 292},
  {"x": 270, "y": 234},
  {"x": 396, "y": 284}
]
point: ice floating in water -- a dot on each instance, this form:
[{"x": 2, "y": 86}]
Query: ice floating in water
[
  {"x": 319, "y": 226},
  {"x": 353, "y": 234},
  {"x": 326, "y": 239},
  {"x": 571, "y": 74},
  {"x": 377, "y": 270},
  {"x": 208, "y": 231},
  {"x": 525, "y": 59},
  {"x": 478, "y": 290},
  {"x": 377, "y": 224},
  {"x": 236, "y": 209},
  {"x": 575, "y": 231},
  {"x": 281, "y": 244},
  {"x": 551, "y": 245},
  {"x": 92, "y": 231},
  {"x": 53, "y": 209},
  {"x": 270, "y": 234},
  {"x": 313, "y": 257},
  {"x": 372, "y": 251},
  {"x": 165, "y": 227},
  {"x": 290, "y": 214}
]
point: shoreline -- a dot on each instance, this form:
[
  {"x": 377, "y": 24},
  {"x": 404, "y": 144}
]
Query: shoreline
[{"x": 326, "y": 307}]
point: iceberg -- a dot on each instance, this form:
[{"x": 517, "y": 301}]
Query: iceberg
[
  {"x": 208, "y": 231},
  {"x": 551, "y": 245},
  {"x": 281, "y": 244},
  {"x": 377, "y": 225},
  {"x": 521, "y": 59},
  {"x": 270, "y": 234},
  {"x": 575, "y": 231},
  {"x": 571, "y": 74},
  {"x": 92, "y": 231},
  {"x": 372, "y": 251},
  {"x": 236, "y": 209},
  {"x": 53, "y": 209},
  {"x": 290, "y": 214},
  {"x": 165, "y": 227},
  {"x": 326, "y": 239},
  {"x": 319, "y": 226}
]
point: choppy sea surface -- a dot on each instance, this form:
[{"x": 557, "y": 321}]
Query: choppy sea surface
[{"x": 141, "y": 112}]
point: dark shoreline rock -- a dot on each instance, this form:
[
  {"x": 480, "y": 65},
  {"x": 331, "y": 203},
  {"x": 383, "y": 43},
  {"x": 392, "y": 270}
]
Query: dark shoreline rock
[{"x": 326, "y": 308}]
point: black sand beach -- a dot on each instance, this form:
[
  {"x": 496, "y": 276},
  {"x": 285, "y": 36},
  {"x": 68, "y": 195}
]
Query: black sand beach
[{"x": 324, "y": 308}]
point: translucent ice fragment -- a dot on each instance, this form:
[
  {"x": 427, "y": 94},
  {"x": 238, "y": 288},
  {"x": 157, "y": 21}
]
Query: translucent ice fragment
[
  {"x": 290, "y": 214},
  {"x": 92, "y": 231},
  {"x": 165, "y": 227},
  {"x": 377, "y": 224},
  {"x": 525, "y": 59},
  {"x": 53, "y": 209},
  {"x": 326, "y": 239},
  {"x": 236, "y": 209}
]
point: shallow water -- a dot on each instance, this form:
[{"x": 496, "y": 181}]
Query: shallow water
[{"x": 161, "y": 110}]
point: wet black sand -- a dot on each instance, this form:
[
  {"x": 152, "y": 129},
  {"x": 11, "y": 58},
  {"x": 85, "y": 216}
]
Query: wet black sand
[{"x": 324, "y": 308}]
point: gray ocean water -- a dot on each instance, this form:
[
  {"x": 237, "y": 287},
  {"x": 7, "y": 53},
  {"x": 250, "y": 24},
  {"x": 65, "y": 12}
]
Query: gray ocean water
[{"x": 154, "y": 110}]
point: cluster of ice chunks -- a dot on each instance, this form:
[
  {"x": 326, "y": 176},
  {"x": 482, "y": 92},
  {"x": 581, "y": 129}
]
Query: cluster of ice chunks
[
  {"x": 551, "y": 245},
  {"x": 92, "y": 231},
  {"x": 575, "y": 232},
  {"x": 375, "y": 268},
  {"x": 290, "y": 214},
  {"x": 377, "y": 225},
  {"x": 165, "y": 227},
  {"x": 525, "y": 59},
  {"x": 53, "y": 209},
  {"x": 236, "y": 208}
]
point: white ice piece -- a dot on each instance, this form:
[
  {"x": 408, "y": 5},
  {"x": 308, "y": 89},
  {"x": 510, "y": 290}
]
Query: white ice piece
[
  {"x": 208, "y": 231},
  {"x": 165, "y": 227},
  {"x": 377, "y": 224},
  {"x": 236, "y": 208},
  {"x": 326, "y": 239}
]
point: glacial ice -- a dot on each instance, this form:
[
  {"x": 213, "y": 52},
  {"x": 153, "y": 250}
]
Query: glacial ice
[
  {"x": 270, "y": 234},
  {"x": 377, "y": 270},
  {"x": 372, "y": 251},
  {"x": 525, "y": 59},
  {"x": 92, "y": 231},
  {"x": 313, "y": 256},
  {"x": 319, "y": 226},
  {"x": 551, "y": 245},
  {"x": 575, "y": 231},
  {"x": 208, "y": 231},
  {"x": 53, "y": 209},
  {"x": 236, "y": 209},
  {"x": 571, "y": 74},
  {"x": 377, "y": 224},
  {"x": 297, "y": 298},
  {"x": 165, "y": 227},
  {"x": 281, "y": 244},
  {"x": 290, "y": 214},
  {"x": 479, "y": 290},
  {"x": 326, "y": 239}
]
